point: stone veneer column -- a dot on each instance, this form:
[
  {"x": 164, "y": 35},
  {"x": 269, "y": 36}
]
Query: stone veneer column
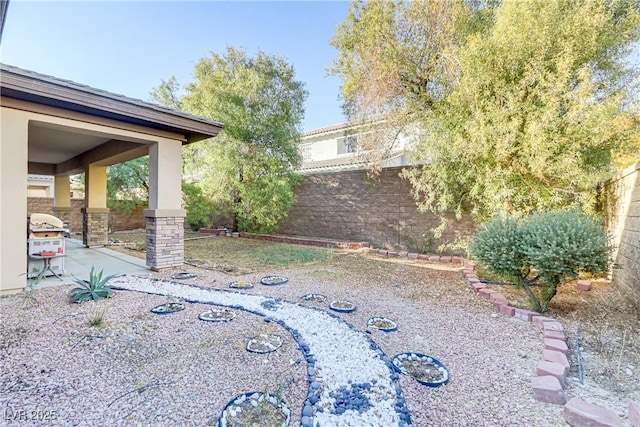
[
  {"x": 95, "y": 226},
  {"x": 64, "y": 215},
  {"x": 165, "y": 240},
  {"x": 164, "y": 218}
]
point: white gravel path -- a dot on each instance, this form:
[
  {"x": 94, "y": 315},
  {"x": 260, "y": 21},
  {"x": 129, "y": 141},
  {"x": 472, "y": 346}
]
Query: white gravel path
[{"x": 343, "y": 355}]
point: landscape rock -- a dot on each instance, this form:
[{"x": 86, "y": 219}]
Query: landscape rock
[
  {"x": 579, "y": 413},
  {"x": 548, "y": 389},
  {"x": 584, "y": 285},
  {"x": 554, "y": 369}
]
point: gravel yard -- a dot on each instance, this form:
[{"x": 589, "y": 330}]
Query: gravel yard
[{"x": 138, "y": 368}]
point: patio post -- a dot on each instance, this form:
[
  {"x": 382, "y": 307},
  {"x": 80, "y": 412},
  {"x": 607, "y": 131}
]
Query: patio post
[
  {"x": 14, "y": 136},
  {"x": 165, "y": 217},
  {"x": 62, "y": 199},
  {"x": 95, "y": 215}
]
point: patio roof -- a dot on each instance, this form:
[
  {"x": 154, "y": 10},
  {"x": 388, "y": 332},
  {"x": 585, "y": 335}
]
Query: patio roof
[{"x": 47, "y": 90}]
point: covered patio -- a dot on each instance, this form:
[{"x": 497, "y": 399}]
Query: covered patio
[
  {"x": 79, "y": 260},
  {"x": 60, "y": 128}
]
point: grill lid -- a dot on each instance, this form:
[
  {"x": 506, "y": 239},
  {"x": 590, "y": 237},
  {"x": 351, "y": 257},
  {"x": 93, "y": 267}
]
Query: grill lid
[{"x": 40, "y": 221}]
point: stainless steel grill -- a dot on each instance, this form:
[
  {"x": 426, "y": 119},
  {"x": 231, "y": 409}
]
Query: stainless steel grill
[{"x": 45, "y": 245}]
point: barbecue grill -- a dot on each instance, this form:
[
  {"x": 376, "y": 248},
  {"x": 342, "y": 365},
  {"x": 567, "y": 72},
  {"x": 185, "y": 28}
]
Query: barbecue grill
[{"x": 45, "y": 245}]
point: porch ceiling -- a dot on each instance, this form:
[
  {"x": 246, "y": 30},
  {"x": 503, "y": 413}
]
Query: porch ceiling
[
  {"x": 55, "y": 146},
  {"x": 56, "y": 150}
]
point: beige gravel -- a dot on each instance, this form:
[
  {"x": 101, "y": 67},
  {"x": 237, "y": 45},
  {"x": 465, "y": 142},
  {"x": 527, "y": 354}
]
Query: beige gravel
[{"x": 144, "y": 369}]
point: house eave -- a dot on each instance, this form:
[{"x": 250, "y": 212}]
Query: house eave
[{"x": 50, "y": 91}]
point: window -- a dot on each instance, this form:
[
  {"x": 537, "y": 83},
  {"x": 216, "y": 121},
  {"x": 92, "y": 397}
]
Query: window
[{"x": 347, "y": 145}]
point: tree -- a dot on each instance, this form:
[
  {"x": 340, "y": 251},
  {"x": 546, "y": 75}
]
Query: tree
[
  {"x": 397, "y": 59},
  {"x": 524, "y": 103},
  {"x": 247, "y": 170},
  {"x": 128, "y": 183}
]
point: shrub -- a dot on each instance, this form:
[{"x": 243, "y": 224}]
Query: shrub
[
  {"x": 198, "y": 206},
  {"x": 545, "y": 249},
  {"x": 95, "y": 288}
]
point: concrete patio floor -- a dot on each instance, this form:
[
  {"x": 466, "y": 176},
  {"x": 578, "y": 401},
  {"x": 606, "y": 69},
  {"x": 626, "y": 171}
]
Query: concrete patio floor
[{"x": 78, "y": 261}]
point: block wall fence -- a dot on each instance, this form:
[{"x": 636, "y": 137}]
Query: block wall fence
[
  {"x": 347, "y": 205},
  {"x": 119, "y": 219},
  {"x": 623, "y": 222}
]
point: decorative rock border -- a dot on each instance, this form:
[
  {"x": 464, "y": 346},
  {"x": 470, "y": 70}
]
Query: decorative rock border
[
  {"x": 183, "y": 275},
  {"x": 168, "y": 308},
  {"x": 272, "y": 280},
  {"x": 369, "y": 371},
  {"x": 264, "y": 343},
  {"x": 441, "y": 259},
  {"x": 552, "y": 370},
  {"x": 423, "y": 359},
  {"x": 342, "y": 306},
  {"x": 241, "y": 284},
  {"x": 382, "y": 324},
  {"x": 217, "y": 315},
  {"x": 246, "y": 401},
  {"x": 306, "y": 241},
  {"x": 317, "y": 298}
]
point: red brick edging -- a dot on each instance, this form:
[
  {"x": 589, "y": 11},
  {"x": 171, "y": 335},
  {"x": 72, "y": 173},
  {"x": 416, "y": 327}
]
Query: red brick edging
[{"x": 552, "y": 370}]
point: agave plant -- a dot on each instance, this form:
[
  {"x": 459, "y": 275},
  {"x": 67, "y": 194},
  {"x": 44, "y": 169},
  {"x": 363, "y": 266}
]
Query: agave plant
[{"x": 95, "y": 288}]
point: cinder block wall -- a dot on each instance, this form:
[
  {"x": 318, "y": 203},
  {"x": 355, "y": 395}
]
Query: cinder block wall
[
  {"x": 623, "y": 222},
  {"x": 118, "y": 219},
  {"x": 349, "y": 206}
]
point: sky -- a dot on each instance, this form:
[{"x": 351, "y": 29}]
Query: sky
[{"x": 128, "y": 47}]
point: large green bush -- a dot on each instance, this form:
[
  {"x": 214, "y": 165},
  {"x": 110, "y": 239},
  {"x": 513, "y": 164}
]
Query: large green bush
[
  {"x": 543, "y": 251},
  {"x": 199, "y": 208}
]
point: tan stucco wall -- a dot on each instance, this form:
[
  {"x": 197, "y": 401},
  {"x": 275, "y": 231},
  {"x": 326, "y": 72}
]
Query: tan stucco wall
[
  {"x": 623, "y": 222},
  {"x": 165, "y": 163},
  {"x": 13, "y": 200}
]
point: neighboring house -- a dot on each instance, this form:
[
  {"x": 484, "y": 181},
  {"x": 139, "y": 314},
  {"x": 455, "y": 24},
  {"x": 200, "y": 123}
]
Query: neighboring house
[
  {"x": 336, "y": 148},
  {"x": 339, "y": 199},
  {"x": 44, "y": 186}
]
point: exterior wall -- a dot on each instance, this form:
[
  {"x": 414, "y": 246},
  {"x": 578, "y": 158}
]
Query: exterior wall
[
  {"x": 119, "y": 219},
  {"x": 348, "y": 206},
  {"x": 623, "y": 222},
  {"x": 14, "y": 129},
  {"x": 330, "y": 142},
  {"x": 39, "y": 186}
]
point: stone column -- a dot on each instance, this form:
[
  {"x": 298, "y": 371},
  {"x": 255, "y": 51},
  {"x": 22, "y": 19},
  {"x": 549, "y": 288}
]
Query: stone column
[
  {"x": 95, "y": 230},
  {"x": 165, "y": 238},
  {"x": 165, "y": 218},
  {"x": 62, "y": 200},
  {"x": 95, "y": 215}
]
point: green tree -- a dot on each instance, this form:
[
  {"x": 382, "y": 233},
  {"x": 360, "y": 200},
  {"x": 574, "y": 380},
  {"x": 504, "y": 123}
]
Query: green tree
[
  {"x": 525, "y": 104},
  {"x": 397, "y": 59},
  {"x": 247, "y": 170},
  {"x": 198, "y": 207},
  {"x": 128, "y": 183}
]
